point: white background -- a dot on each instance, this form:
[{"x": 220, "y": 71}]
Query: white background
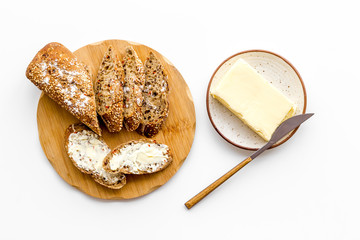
[{"x": 307, "y": 188}]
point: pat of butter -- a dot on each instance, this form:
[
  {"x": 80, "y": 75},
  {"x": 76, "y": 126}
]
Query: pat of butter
[{"x": 253, "y": 99}]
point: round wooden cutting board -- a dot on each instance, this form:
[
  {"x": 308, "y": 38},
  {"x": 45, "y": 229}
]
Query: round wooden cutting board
[{"x": 177, "y": 132}]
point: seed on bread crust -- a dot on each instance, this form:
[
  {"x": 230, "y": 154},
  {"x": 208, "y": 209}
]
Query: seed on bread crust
[
  {"x": 109, "y": 91},
  {"x": 57, "y": 71}
]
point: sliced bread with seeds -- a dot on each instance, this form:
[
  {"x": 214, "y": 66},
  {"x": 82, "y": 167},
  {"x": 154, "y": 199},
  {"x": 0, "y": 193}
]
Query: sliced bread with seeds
[
  {"x": 109, "y": 91},
  {"x": 57, "y": 71},
  {"x": 155, "y": 106},
  {"x": 87, "y": 151},
  {"x": 138, "y": 157},
  {"x": 133, "y": 86}
]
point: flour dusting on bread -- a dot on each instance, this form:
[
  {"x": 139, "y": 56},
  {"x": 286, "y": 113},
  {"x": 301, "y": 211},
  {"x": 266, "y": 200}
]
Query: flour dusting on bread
[{"x": 57, "y": 71}]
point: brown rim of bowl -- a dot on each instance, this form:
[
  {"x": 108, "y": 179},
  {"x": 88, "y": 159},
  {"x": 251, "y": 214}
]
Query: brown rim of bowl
[{"x": 208, "y": 90}]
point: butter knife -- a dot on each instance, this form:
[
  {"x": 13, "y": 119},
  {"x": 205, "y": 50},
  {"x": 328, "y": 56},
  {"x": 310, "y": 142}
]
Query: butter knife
[{"x": 284, "y": 128}]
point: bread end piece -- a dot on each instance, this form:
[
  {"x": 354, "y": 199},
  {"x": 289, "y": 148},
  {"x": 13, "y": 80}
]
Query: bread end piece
[{"x": 58, "y": 73}]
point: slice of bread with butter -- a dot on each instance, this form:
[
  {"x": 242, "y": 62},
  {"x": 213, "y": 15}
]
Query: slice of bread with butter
[
  {"x": 87, "y": 151},
  {"x": 91, "y": 155},
  {"x": 138, "y": 157}
]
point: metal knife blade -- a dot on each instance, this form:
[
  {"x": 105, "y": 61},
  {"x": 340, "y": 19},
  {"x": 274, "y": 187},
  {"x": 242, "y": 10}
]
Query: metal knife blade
[{"x": 283, "y": 129}]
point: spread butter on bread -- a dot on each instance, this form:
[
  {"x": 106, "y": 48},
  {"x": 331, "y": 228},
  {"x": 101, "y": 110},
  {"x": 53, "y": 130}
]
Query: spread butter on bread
[
  {"x": 138, "y": 157},
  {"x": 87, "y": 151}
]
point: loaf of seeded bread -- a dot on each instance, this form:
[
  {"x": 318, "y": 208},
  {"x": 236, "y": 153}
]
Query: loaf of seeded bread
[
  {"x": 133, "y": 86},
  {"x": 109, "y": 91},
  {"x": 87, "y": 152},
  {"x": 56, "y": 71},
  {"x": 155, "y": 106},
  {"x": 138, "y": 157}
]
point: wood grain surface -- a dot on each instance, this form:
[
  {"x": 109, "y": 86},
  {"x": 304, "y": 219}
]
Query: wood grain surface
[{"x": 177, "y": 132}]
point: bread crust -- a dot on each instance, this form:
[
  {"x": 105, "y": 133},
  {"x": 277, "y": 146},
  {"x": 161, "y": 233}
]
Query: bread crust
[
  {"x": 117, "y": 185},
  {"x": 106, "y": 163},
  {"x": 113, "y": 119},
  {"x": 149, "y": 130},
  {"x": 74, "y": 128},
  {"x": 57, "y": 71},
  {"x": 109, "y": 91},
  {"x": 133, "y": 85},
  {"x": 156, "y": 102}
]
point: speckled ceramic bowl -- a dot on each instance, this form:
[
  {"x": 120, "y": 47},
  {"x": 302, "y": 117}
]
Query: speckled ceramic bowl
[{"x": 274, "y": 68}]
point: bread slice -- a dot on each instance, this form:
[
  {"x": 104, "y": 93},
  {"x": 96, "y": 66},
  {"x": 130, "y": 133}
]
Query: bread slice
[
  {"x": 109, "y": 91},
  {"x": 133, "y": 86},
  {"x": 138, "y": 157},
  {"x": 56, "y": 71},
  {"x": 155, "y": 106},
  {"x": 87, "y": 152}
]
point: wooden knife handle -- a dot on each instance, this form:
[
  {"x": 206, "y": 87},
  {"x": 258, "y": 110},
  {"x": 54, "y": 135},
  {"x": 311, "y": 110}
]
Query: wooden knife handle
[{"x": 189, "y": 204}]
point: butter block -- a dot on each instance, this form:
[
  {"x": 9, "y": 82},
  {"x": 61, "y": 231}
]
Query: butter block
[{"x": 253, "y": 99}]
